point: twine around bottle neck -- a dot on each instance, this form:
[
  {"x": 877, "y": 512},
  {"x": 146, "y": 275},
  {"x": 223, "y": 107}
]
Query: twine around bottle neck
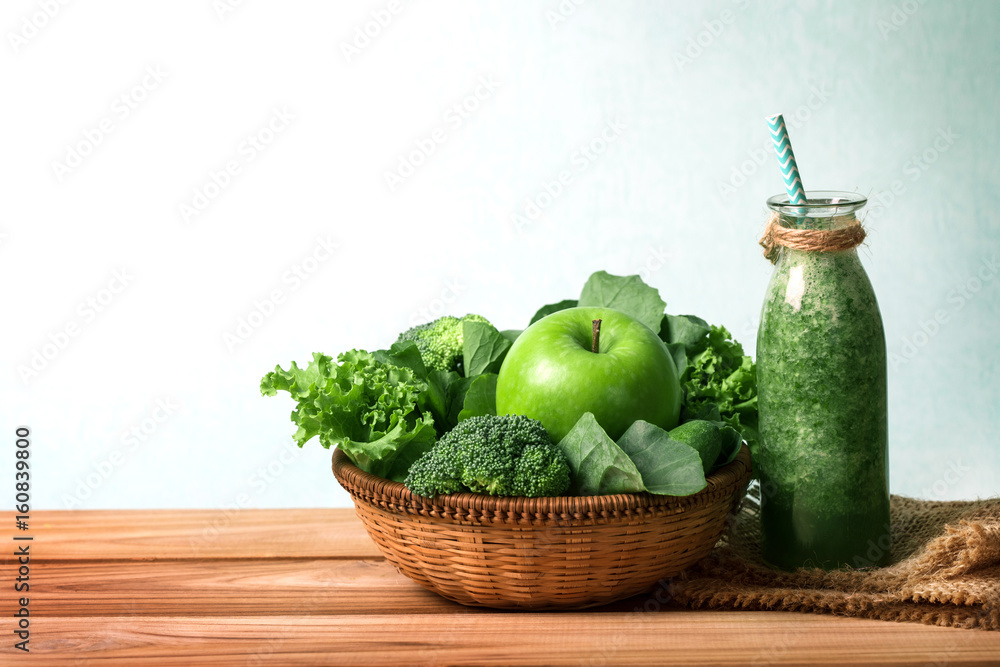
[{"x": 810, "y": 240}]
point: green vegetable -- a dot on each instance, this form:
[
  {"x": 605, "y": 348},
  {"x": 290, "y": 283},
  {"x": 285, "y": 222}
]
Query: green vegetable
[
  {"x": 405, "y": 354},
  {"x": 440, "y": 341},
  {"x": 668, "y": 466},
  {"x": 483, "y": 347},
  {"x": 510, "y": 455},
  {"x": 687, "y": 330},
  {"x": 629, "y": 294},
  {"x": 481, "y": 399},
  {"x": 719, "y": 377},
  {"x": 443, "y": 398},
  {"x": 732, "y": 441},
  {"x": 704, "y": 436},
  {"x": 598, "y": 465},
  {"x": 645, "y": 458},
  {"x": 511, "y": 334},
  {"x": 553, "y": 308},
  {"x": 385, "y": 409},
  {"x": 366, "y": 407}
]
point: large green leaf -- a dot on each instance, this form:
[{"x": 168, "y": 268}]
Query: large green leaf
[
  {"x": 481, "y": 398},
  {"x": 688, "y": 330},
  {"x": 732, "y": 441},
  {"x": 597, "y": 465},
  {"x": 553, "y": 308},
  {"x": 625, "y": 293},
  {"x": 511, "y": 334},
  {"x": 668, "y": 467},
  {"x": 483, "y": 348},
  {"x": 679, "y": 356},
  {"x": 405, "y": 355}
]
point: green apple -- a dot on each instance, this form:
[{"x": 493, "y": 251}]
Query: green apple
[{"x": 553, "y": 374}]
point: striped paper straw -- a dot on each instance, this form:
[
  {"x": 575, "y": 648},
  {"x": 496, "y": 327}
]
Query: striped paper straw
[{"x": 786, "y": 159}]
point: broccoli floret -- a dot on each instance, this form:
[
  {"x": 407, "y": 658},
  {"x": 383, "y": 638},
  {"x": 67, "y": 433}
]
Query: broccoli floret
[
  {"x": 440, "y": 341},
  {"x": 506, "y": 455}
]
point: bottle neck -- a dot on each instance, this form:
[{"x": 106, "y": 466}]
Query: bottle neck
[{"x": 821, "y": 223}]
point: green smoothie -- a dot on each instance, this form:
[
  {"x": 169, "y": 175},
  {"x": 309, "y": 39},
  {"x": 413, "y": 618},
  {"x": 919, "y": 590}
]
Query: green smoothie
[{"x": 821, "y": 373}]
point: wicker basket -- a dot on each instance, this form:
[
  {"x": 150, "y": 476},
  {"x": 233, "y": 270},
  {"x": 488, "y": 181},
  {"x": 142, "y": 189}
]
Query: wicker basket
[{"x": 542, "y": 553}]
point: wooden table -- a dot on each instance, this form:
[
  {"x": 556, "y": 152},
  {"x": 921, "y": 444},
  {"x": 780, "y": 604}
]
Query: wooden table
[{"x": 286, "y": 587}]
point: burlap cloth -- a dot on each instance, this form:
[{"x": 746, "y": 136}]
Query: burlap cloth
[{"x": 945, "y": 571}]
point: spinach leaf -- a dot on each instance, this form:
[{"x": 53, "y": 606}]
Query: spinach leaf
[
  {"x": 688, "y": 330},
  {"x": 483, "y": 348},
  {"x": 679, "y": 356},
  {"x": 732, "y": 441},
  {"x": 597, "y": 465},
  {"x": 404, "y": 355},
  {"x": 627, "y": 294},
  {"x": 481, "y": 399},
  {"x": 668, "y": 467},
  {"x": 436, "y": 399},
  {"x": 512, "y": 334},
  {"x": 443, "y": 398},
  {"x": 457, "y": 391},
  {"x": 552, "y": 308},
  {"x": 709, "y": 413}
]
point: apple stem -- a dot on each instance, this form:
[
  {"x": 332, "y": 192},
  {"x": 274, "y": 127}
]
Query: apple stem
[{"x": 597, "y": 335}]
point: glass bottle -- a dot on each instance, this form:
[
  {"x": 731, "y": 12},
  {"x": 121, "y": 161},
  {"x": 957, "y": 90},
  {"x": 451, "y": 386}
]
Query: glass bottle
[{"x": 821, "y": 372}]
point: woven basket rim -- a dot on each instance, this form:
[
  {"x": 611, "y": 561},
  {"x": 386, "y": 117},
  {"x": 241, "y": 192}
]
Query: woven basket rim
[{"x": 395, "y": 495}]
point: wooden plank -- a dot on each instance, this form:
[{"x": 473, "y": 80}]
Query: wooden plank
[
  {"x": 705, "y": 638},
  {"x": 278, "y": 587},
  {"x": 308, "y": 587},
  {"x": 242, "y": 588},
  {"x": 195, "y": 534}
]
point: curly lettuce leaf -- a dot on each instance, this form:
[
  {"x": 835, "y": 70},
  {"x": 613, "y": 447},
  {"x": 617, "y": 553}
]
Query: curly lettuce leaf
[
  {"x": 720, "y": 384},
  {"x": 365, "y": 407}
]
